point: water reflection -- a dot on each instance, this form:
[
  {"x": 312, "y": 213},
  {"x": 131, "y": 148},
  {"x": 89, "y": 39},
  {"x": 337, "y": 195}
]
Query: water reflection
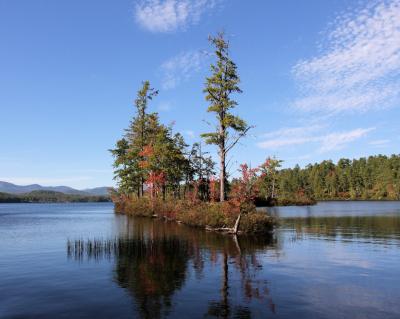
[
  {"x": 315, "y": 267},
  {"x": 376, "y": 229},
  {"x": 153, "y": 260}
]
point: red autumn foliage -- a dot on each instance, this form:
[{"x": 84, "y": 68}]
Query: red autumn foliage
[
  {"x": 213, "y": 189},
  {"x": 193, "y": 194},
  {"x": 245, "y": 189},
  {"x": 155, "y": 181},
  {"x": 264, "y": 167},
  {"x": 144, "y": 164},
  {"x": 146, "y": 153}
]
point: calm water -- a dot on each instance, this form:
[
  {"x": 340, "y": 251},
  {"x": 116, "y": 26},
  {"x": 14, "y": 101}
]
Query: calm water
[{"x": 333, "y": 260}]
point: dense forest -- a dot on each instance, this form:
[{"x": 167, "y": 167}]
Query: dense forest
[
  {"x": 50, "y": 197},
  {"x": 375, "y": 177}
]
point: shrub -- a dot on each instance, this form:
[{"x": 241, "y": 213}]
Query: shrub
[
  {"x": 256, "y": 223},
  {"x": 214, "y": 215}
]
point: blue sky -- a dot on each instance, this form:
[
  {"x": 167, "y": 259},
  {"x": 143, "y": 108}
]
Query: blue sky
[{"x": 320, "y": 79}]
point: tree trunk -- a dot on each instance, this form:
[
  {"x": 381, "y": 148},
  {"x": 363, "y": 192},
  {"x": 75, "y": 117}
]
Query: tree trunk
[
  {"x": 141, "y": 186},
  {"x": 222, "y": 178},
  {"x": 225, "y": 288},
  {"x": 222, "y": 174},
  {"x": 273, "y": 188},
  {"x": 237, "y": 224}
]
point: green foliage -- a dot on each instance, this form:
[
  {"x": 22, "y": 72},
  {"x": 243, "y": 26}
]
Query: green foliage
[
  {"x": 375, "y": 177},
  {"x": 149, "y": 149},
  {"x": 200, "y": 171},
  {"x": 268, "y": 176}
]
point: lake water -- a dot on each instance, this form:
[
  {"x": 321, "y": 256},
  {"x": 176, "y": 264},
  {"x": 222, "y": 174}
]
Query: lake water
[{"x": 332, "y": 260}]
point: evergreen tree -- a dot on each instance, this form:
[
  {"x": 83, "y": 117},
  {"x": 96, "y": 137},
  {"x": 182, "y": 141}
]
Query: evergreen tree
[
  {"x": 139, "y": 133},
  {"x": 375, "y": 177},
  {"x": 223, "y": 82}
]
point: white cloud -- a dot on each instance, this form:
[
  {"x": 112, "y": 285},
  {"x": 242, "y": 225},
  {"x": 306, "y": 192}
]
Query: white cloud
[
  {"x": 171, "y": 15},
  {"x": 379, "y": 143},
  {"x": 304, "y": 135},
  {"x": 338, "y": 140},
  {"x": 289, "y": 136},
  {"x": 359, "y": 66},
  {"x": 293, "y": 131},
  {"x": 285, "y": 141},
  {"x": 181, "y": 67}
]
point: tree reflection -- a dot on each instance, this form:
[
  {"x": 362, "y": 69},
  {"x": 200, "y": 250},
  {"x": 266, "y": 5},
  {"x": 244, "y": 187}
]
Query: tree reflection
[
  {"x": 152, "y": 270},
  {"x": 348, "y": 227},
  {"x": 153, "y": 259}
]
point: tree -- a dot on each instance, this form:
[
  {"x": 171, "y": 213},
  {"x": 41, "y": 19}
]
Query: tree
[
  {"x": 126, "y": 167},
  {"x": 202, "y": 169},
  {"x": 138, "y": 133},
  {"x": 149, "y": 152},
  {"x": 269, "y": 172},
  {"x": 244, "y": 191},
  {"x": 222, "y": 83},
  {"x": 169, "y": 158}
]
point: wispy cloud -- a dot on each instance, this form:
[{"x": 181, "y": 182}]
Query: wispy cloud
[
  {"x": 288, "y": 136},
  {"x": 379, "y": 143},
  {"x": 299, "y": 131},
  {"x": 180, "y": 68},
  {"x": 304, "y": 135},
  {"x": 171, "y": 15},
  {"x": 339, "y": 140},
  {"x": 359, "y": 65}
]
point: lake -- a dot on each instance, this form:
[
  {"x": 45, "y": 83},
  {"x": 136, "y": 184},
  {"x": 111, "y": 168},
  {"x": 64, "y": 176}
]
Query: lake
[{"x": 332, "y": 260}]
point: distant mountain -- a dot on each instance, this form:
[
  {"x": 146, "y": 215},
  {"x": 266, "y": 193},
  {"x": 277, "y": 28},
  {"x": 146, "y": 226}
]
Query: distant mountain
[{"x": 10, "y": 188}]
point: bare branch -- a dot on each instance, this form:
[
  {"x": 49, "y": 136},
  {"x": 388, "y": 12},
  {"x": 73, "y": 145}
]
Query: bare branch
[
  {"x": 229, "y": 168},
  {"x": 236, "y": 140}
]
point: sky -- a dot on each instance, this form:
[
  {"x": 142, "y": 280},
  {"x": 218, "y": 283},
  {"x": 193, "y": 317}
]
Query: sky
[{"x": 320, "y": 79}]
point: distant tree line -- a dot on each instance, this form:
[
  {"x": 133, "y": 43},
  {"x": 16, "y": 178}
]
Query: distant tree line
[
  {"x": 375, "y": 177},
  {"x": 50, "y": 197}
]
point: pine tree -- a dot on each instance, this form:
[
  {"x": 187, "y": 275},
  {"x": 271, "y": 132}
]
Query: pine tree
[
  {"x": 140, "y": 131},
  {"x": 223, "y": 82}
]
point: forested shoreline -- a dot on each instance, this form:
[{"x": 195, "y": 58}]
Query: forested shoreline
[
  {"x": 50, "y": 197},
  {"x": 373, "y": 178}
]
